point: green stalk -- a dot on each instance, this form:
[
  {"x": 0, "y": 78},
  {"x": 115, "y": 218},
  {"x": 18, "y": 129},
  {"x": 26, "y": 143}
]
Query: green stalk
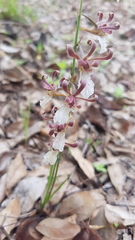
[
  {"x": 51, "y": 181},
  {"x": 76, "y": 37}
]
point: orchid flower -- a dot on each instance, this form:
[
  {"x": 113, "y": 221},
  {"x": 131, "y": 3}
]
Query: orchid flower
[
  {"x": 62, "y": 115},
  {"x": 86, "y": 65},
  {"x": 101, "y": 28},
  {"x": 59, "y": 141},
  {"x": 50, "y": 157}
]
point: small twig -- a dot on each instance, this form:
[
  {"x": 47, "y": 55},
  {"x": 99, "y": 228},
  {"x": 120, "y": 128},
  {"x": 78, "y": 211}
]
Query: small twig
[{"x": 6, "y": 234}]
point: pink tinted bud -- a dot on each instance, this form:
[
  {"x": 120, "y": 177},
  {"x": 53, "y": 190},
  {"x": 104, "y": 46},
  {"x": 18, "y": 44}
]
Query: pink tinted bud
[
  {"x": 78, "y": 106},
  {"x": 100, "y": 15},
  {"x": 71, "y": 123},
  {"x": 73, "y": 145},
  {"x": 51, "y": 132},
  {"x": 110, "y": 18}
]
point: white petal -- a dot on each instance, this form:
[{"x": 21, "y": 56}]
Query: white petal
[
  {"x": 89, "y": 88},
  {"x": 50, "y": 157},
  {"x": 62, "y": 115},
  {"x": 59, "y": 141},
  {"x": 103, "y": 42},
  {"x": 45, "y": 100}
]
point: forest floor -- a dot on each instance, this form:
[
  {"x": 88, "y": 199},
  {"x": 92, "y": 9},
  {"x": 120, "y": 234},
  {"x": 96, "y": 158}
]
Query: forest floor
[{"x": 98, "y": 201}]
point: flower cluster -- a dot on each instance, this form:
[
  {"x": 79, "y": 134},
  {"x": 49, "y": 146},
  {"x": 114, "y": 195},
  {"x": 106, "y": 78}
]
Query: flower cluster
[
  {"x": 102, "y": 28},
  {"x": 72, "y": 91}
]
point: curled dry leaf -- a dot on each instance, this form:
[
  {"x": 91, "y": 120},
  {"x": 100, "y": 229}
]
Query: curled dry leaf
[
  {"x": 87, "y": 234},
  {"x": 27, "y": 231},
  {"x": 116, "y": 177},
  {"x": 120, "y": 215},
  {"x": 59, "y": 229},
  {"x": 84, "y": 164},
  {"x": 16, "y": 171},
  {"x": 8, "y": 216},
  {"x": 84, "y": 204}
]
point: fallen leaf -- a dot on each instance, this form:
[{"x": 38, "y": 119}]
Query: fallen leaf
[
  {"x": 105, "y": 103},
  {"x": 120, "y": 215},
  {"x": 8, "y": 216},
  {"x": 27, "y": 231},
  {"x": 4, "y": 147},
  {"x": 109, "y": 231},
  {"x": 16, "y": 171},
  {"x": 96, "y": 117},
  {"x": 117, "y": 177},
  {"x": 84, "y": 204},
  {"x": 8, "y": 48},
  {"x": 29, "y": 190},
  {"x": 20, "y": 136},
  {"x": 71, "y": 218},
  {"x": 84, "y": 164},
  {"x": 56, "y": 228},
  {"x": 3, "y": 186},
  {"x": 87, "y": 234}
]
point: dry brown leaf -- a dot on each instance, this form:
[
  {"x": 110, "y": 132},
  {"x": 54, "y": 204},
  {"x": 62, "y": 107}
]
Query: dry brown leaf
[
  {"x": 4, "y": 147},
  {"x": 3, "y": 186},
  {"x": 16, "y": 171},
  {"x": 27, "y": 231},
  {"x": 59, "y": 229},
  {"x": 96, "y": 117},
  {"x": 87, "y": 234},
  {"x": 84, "y": 204},
  {"x": 115, "y": 149},
  {"x": 105, "y": 103},
  {"x": 109, "y": 231},
  {"x": 117, "y": 177},
  {"x": 29, "y": 190},
  {"x": 127, "y": 236},
  {"x": 71, "y": 218},
  {"x": 20, "y": 136},
  {"x": 120, "y": 215},
  {"x": 84, "y": 164},
  {"x": 8, "y": 216}
]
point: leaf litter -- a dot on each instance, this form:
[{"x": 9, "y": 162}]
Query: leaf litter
[{"x": 96, "y": 198}]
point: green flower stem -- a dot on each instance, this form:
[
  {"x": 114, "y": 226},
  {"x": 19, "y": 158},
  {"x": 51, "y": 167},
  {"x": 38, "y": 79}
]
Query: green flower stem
[
  {"x": 51, "y": 181},
  {"x": 76, "y": 37},
  {"x": 60, "y": 186}
]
